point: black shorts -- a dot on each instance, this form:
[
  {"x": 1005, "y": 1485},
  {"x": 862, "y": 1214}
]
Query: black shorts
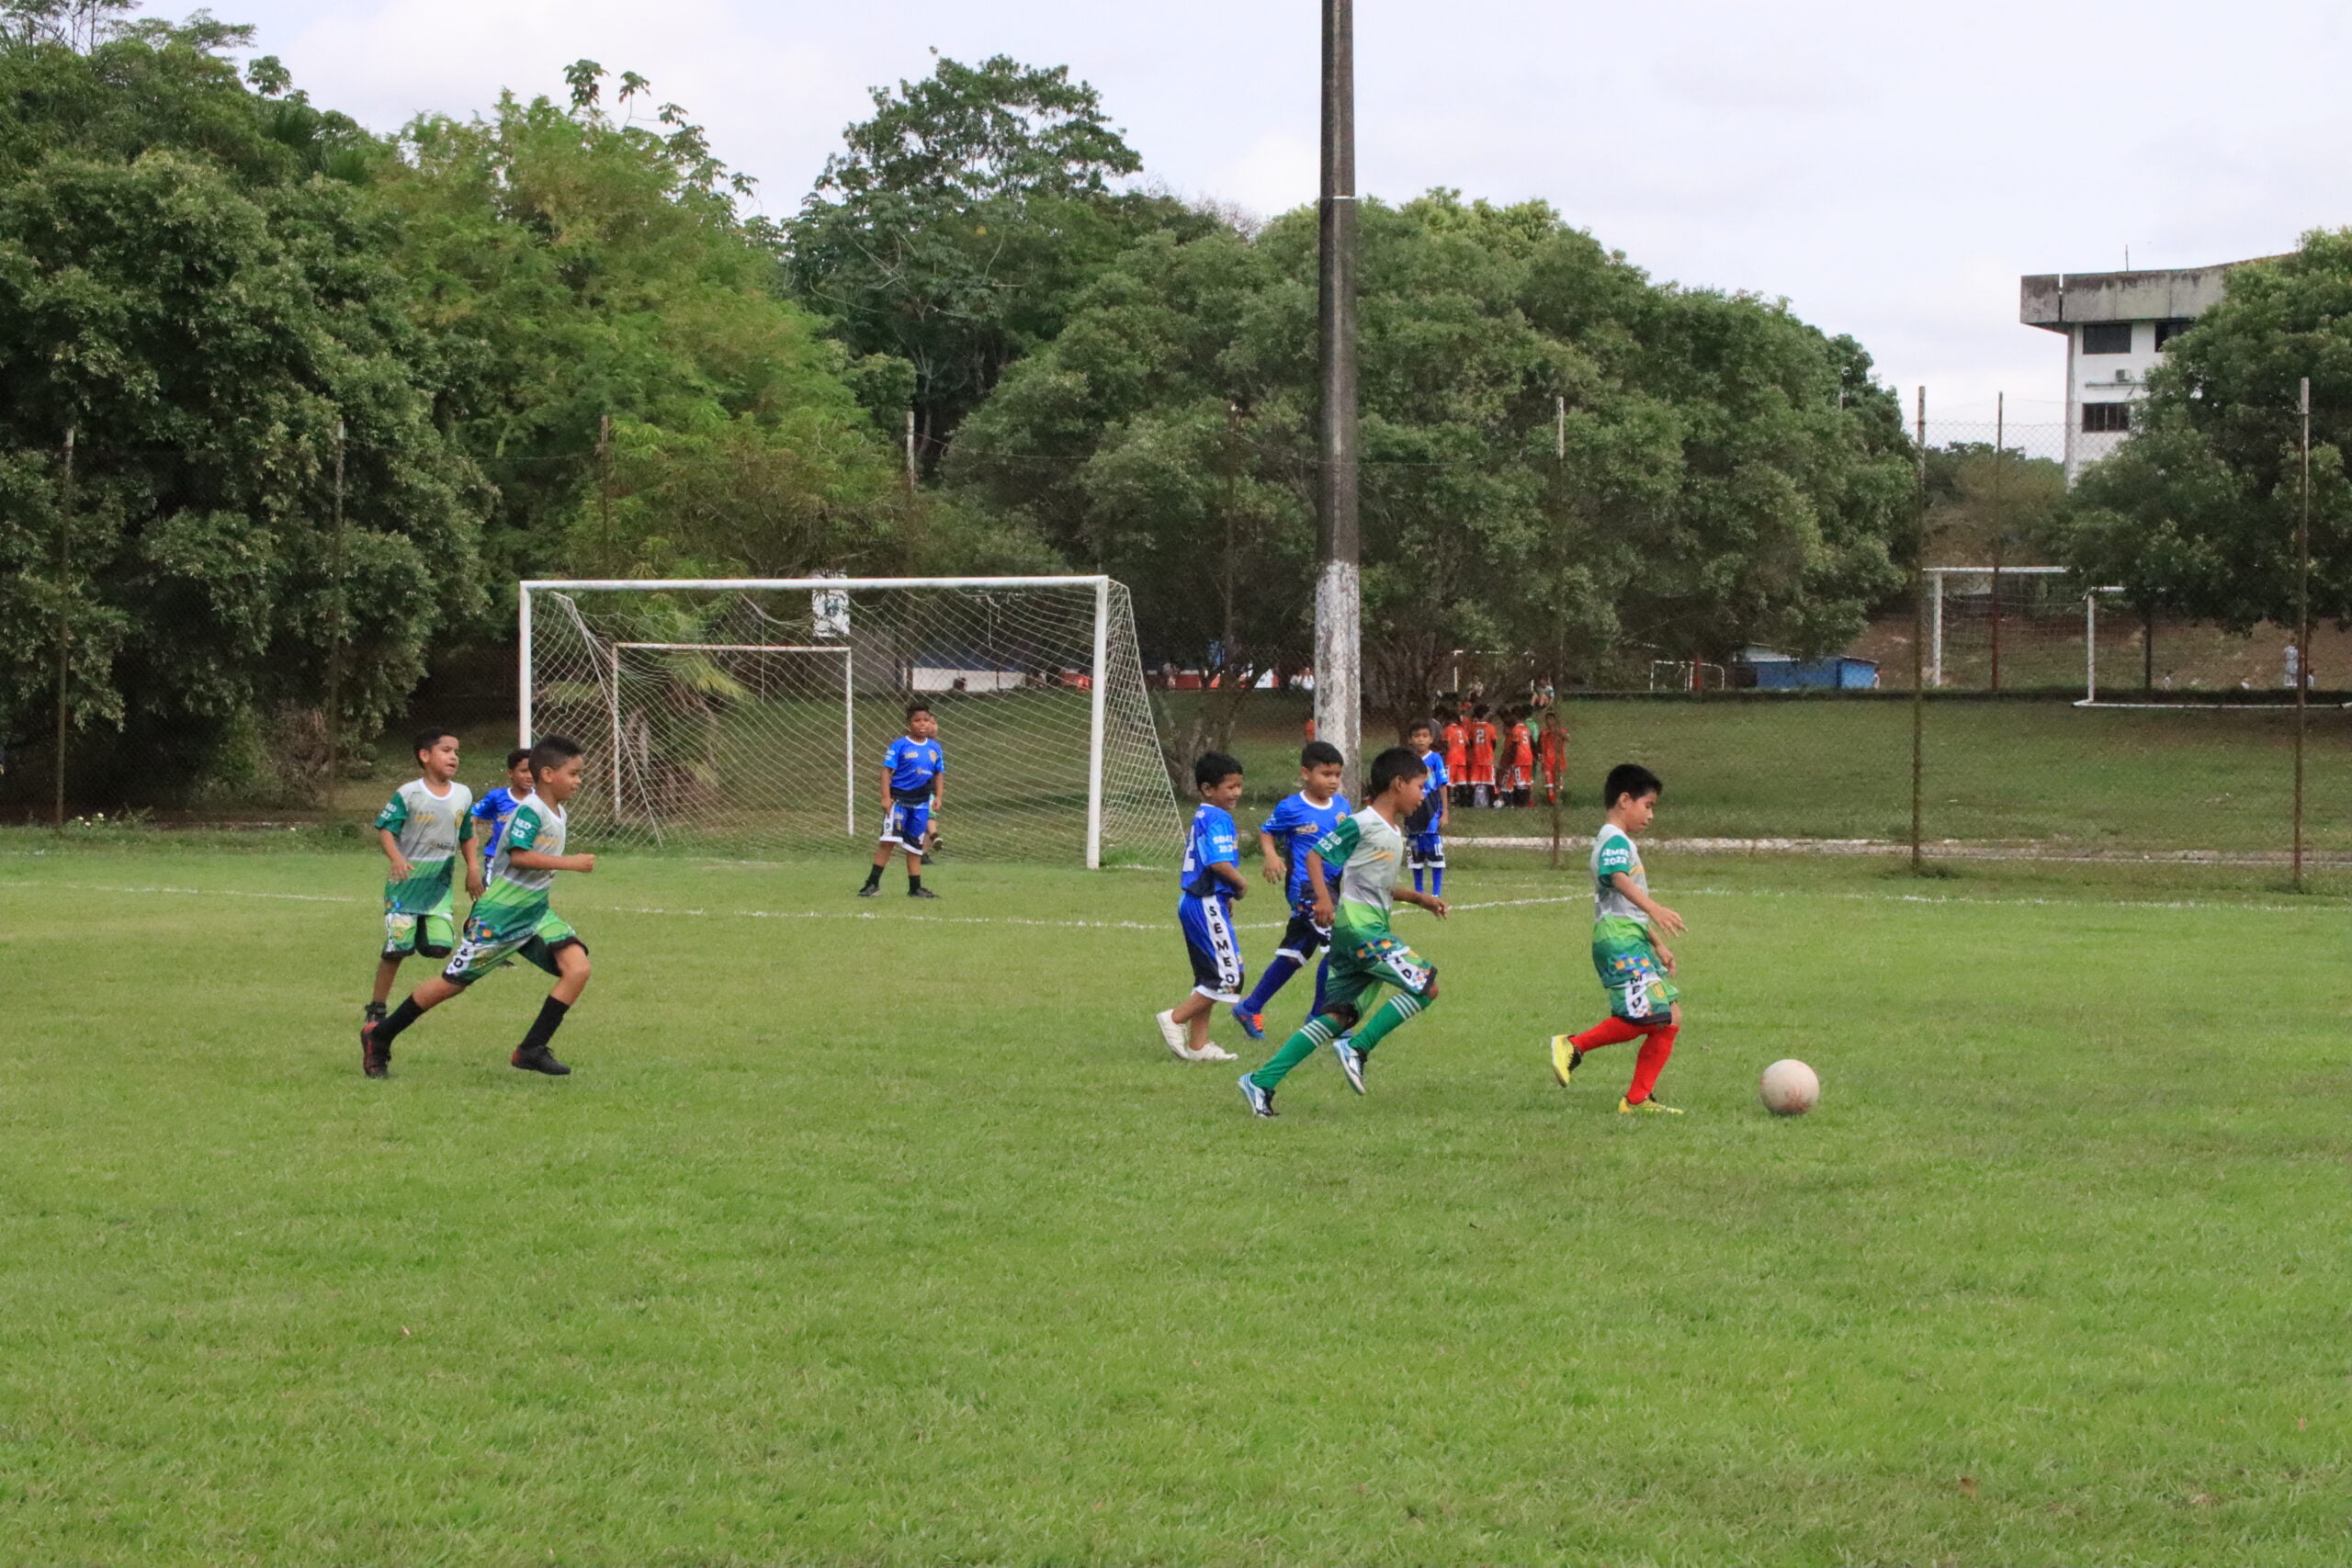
[{"x": 1302, "y": 939}]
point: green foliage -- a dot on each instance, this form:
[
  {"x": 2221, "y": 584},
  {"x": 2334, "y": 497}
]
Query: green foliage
[
  {"x": 1987, "y": 506},
  {"x": 576, "y": 267},
  {"x": 2196, "y": 513},
  {"x": 958, "y": 223},
  {"x": 1730, "y": 474}
]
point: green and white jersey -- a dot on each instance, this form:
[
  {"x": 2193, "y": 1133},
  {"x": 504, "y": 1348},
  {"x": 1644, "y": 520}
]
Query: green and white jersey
[
  {"x": 429, "y": 828},
  {"x": 1368, "y": 850},
  {"x": 514, "y": 898},
  {"x": 1613, "y": 854}
]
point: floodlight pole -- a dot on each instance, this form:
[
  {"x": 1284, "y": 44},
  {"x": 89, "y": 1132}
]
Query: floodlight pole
[{"x": 1338, "y": 588}]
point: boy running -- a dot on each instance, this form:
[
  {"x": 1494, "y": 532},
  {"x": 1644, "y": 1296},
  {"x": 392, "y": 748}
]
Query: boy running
[
  {"x": 1426, "y": 827},
  {"x": 1209, "y": 884},
  {"x": 493, "y": 808},
  {"x": 1286, "y": 841},
  {"x": 424, "y": 829},
  {"x": 1636, "y": 968},
  {"x": 512, "y": 919},
  {"x": 1368, "y": 851},
  {"x": 913, "y": 771}
]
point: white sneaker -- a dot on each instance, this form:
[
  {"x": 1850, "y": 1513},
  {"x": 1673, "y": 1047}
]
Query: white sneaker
[
  {"x": 1213, "y": 1052},
  {"x": 1172, "y": 1033}
]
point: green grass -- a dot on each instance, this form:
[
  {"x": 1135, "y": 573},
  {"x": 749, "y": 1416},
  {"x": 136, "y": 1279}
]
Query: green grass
[{"x": 899, "y": 1239}]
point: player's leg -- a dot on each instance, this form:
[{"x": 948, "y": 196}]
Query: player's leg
[
  {"x": 1437, "y": 865},
  {"x": 400, "y": 933},
  {"x": 1414, "y": 987},
  {"x": 1214, "y": 949},
  {"x": 914, "y": 826},
  {"x": 1337, "y": 1015},
  {"x": 1416, "y": 858},
  {"x": 1299, "y": 939},
  {"x": 884, "y": 848},
  {"x": 557, "y": 948},
  {"x": 1657, "y": 1047}
]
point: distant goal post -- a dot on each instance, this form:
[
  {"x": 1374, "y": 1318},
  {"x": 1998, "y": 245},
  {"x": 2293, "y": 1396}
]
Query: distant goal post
[{"x": 711, "y": 707}]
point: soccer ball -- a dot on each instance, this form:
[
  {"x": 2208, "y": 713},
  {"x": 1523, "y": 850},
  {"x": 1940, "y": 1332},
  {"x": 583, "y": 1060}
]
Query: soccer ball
[{"x": 1789, "y": 1088}]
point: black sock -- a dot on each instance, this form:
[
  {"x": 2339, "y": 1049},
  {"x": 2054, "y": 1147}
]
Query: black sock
[
  {"x": 873, "y": 876},
  {"x": 914, "y": 882},
  {"x": 408, "y": 1012},
  {"x": 543, "y": 1027}
]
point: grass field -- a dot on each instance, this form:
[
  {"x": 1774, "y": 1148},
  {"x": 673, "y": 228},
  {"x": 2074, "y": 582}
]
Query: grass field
[{"x": 882, "y": 1233}]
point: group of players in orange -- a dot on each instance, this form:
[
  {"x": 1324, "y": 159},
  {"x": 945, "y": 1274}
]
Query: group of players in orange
[{"x": 1501, "y": 756}]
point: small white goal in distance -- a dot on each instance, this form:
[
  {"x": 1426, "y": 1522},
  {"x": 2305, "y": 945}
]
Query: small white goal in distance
[{"x": 752, "y": 714}]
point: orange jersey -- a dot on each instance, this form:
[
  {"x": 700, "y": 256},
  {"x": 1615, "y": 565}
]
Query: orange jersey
[
  {"x": 1482, "y": 751},
  {"x": 1522, "y": 748},
  {"x": 1457, "y": 742},
  {"x": 1555, "y": 753}
]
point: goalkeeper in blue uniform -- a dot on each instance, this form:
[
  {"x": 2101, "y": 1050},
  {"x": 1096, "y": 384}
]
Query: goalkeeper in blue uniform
[{"x": 912, "y": 770}]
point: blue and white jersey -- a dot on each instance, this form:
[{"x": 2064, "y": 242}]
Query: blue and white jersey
[
  {"x": 1212, "y": 842},
  {"x": 915, "y": 766},
  {"x": 1423, "y": 818},
  {"x": 1296, "y": 823},
  {"x": 495, "y": 808}
]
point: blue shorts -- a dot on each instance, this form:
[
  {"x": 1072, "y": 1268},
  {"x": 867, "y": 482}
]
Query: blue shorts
[
  {"x": 909, "y": 823},
  {"x": 1302, "y": 939},
  {"x": 1426, "y": 852},
  {"x": 1215, "y": 948}
]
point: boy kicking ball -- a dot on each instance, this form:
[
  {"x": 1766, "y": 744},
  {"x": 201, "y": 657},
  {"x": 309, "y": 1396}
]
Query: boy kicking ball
[
  {"x": 510, "y": 920},
  {"x": 1636, "y": 968},
  {"x": 1368, "y": 851},
  {"x": 1210, "y": 882},
  {"x": 425, "y": 830}
]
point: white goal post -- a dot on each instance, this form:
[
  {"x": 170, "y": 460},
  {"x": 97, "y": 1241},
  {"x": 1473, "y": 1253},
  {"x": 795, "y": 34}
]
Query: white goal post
[{"x": 712, "y": 708}]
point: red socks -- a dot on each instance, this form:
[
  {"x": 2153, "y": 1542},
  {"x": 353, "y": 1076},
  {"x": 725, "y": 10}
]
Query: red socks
[
  {"x": 1607, "y": 1031},
  {"x": 1651, "y": 1062}
]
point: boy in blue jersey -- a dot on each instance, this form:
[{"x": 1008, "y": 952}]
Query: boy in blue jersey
[
  {"x": 1286, "y": 839},
  {"x": 496, "y": 808},
  {"x": 1211, "y": 880},
  {"x": 912, "y": 770},
  {"x": 1425, "y": 828}
]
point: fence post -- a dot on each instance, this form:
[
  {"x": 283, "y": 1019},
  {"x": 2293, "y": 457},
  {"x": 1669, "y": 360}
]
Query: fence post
[
  {"x": 65, "y": 630},
  {"x": 1918, "y": 641}
]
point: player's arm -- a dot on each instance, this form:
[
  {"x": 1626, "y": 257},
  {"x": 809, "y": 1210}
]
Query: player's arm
[
  {"x": 1445, "y": 804},
  {"x": 540, "y": 859},
  {"x": 1230, "y": 874},
  {"x": 1272, "y": 852},
  {"x": 1664, "y": 919},
  {"x": 1325, "y": 906},
  {"x": 402, "y": 870},
  {"x": 1422, "y": 900},
  {"x": 469, "y": 848}
]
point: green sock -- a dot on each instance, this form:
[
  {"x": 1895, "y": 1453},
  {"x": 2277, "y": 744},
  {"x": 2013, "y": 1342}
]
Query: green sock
[
  {"x": 1312, "y": 1037},
  {"x": 1385, "y": 1017}
]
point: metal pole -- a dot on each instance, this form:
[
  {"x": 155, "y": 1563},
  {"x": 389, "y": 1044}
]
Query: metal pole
[
  {"x": 64, "y": 628},
  {"x": 1935, "y": 664},
  {"x": 335, "y": 637},
  {"x": 849, "y": 730},
  {"x": 613, "y": 706},
  {"x": 1918, "y": 681},
  {"x": 523, "y": 667},
  {"x": 1338, "y": 589},
  {"x": 1560, "y": 431},
  {"x": 2000, "y": 439},
  {"x": 910, "y": 449},
  {"x": 2302, "y": 630},
  {"x": 2090, "y": 646},
  {"x": 1099, "y": 695}
]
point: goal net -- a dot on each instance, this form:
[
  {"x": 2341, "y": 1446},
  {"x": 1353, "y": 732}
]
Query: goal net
[{"x": 754, "y": 714}]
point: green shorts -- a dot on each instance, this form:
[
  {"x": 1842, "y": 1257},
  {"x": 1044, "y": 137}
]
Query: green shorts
[
  {"x": 487, "y": 948},
  {"x": 431, "y": 932},
  {"x": 1360, "y": 966},
  {"x": 1639, "y": 989}
]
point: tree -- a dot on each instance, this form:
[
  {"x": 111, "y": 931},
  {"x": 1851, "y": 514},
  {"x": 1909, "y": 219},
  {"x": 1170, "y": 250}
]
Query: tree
[
  {"x": 1724, "y": 473},
  {"x": 956, "y": 225},
  {"x": 2196, "y": 513}
]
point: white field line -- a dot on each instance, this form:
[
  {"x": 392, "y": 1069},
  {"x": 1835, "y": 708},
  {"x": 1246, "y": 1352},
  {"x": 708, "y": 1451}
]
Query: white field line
[
  {"x": 2328, "y": 907},
  {"x": 1940, "y": 849}
]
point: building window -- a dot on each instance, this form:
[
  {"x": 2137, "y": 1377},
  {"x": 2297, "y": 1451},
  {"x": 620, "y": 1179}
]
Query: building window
[
  {"x": 2107, "y": 337},
  {"x": 2105, "y": 419},
  {"x": 2167, "y": 330}
]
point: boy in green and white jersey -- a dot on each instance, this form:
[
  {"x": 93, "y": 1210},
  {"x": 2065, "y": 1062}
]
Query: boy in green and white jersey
[
  {"x": 1636, "y": 968},
  {"x": 1368, "y": 849},
  {"x": 426, "y": 829},
  {"x": 511, "y": 919}
]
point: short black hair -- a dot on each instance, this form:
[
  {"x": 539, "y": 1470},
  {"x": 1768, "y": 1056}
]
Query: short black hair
[
  {"x": 1214, "y": 768},
  {"x": 1397, "y": 763},
  {"x": 1320, "y": 754},
  {"x": 520, "y": 754},
  {"x": 430, "y": 737},
  {"x": 550, "y": 753},
  {"x": 914, "y": 708},
  {"x": 1422, "y": 726},
  {"x": 1629, "y": 778},
  {"x": 1477, "y": 710}
]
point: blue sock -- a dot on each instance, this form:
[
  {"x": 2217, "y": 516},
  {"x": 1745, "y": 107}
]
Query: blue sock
[
  {"x": 1437, "y": 883},
  {"x": 1416, "y": 879},
  {"x": 1322, "y": 978},
  {"x": 1273, "y": 980}
]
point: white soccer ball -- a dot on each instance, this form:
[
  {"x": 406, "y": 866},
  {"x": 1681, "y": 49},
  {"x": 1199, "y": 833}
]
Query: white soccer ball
[{"x": 1789, "y": 1088}]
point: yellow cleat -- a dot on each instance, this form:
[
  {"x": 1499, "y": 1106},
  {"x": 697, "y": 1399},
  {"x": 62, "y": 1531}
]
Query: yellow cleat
[
  {"x": 1566, "y": 1059},
  {"x": 1649, "y": 1107}
]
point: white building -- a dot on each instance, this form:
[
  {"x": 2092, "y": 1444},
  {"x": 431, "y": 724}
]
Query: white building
[{"x": 2116, "y": 325}]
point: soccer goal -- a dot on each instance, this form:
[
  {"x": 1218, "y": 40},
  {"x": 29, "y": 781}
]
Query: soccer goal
[{"x": 753, "y": 715}]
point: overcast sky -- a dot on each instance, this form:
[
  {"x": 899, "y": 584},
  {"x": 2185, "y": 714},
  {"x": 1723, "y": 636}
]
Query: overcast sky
[{"x": 1891, "y": 169}]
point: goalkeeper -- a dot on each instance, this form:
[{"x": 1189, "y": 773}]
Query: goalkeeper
[{"x": 911, "y": 772}]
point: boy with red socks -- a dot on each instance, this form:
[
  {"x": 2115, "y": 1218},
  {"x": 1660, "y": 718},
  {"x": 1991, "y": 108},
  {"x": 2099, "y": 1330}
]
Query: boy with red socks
[{"x": 1636, "y": 968}]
